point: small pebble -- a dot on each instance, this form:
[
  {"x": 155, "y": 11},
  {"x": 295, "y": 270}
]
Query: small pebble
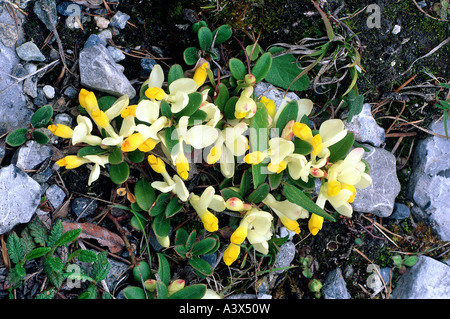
[
  {"x": 30, "y": 52},
  {"x": 49, "y": 91},
  {"x": 101, "y": 22},
  {"x": 119, "y": 20}
]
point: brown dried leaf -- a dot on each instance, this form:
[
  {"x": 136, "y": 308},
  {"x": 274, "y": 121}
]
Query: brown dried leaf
[{"x": 91, "y": 231}]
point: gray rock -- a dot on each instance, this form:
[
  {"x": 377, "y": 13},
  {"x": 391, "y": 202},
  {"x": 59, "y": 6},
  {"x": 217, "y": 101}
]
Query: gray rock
[
  {"x": 93, "y": 40},
  {"x": 271, "y": 92},
  {"x": 365, "y": 127},
  {"x": 8, "y": 34},
  {"x": 45, "y": 10},
  {"x": 284, "y": 257},
  {"x": 30, "y": 83},
  {"x": 31, "y": 154},
  {"x": 429, "y": 184},
  {"x": 83, "y": 207},
  {"x": 427, "y": 279},
  {"x": 116, "y": 54},
  {"x": 117, "y": 273},
  {"x": 49, "y": 91},
  {"x": 20, "y": 196},
  {"x": 55, "y": 195},
  {"x": 30, "y": 52},
  {"x": 334, "y": 286},
  {"x": 63, "y": 118},
  {"x": 379, "y": 197},
  {"x": 401, "y": 211},
  {"x": 98, "y": 71},
  {"x": 147, "y": 66},
  {"x": 119, "y": 20},
  {"x": 71, "y": 92}
]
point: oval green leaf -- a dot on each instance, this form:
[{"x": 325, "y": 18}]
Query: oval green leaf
[
  {"x": 116, "y": 156},
  {"x": 142, "y": 271},
  {"x": 144, "y": 194},
  {"x": 119, "y": 172},
  {"x": 204, "y": 246},
  {"x": 237, "y": 69},
  {"x": 259, "y": 193},
  {"x": 160, "y": 204},
  {"x": 175, "y": 73},
  {"x": 205, "y": 38},
  {"x": 201, "y": 265},
  {"x": 42, "y": 116},
  {"x": 40, "y": 137},
  {"x": 17, "y": 137},
  {"x": 196, "y": 291},
  {"x": 163, "y": 268},
  {"x": 173, "y": 207},
  {"x": 91, "y": 150},
  {"x": 191, "y": 55},
  {"x": 222, "y": 34},
  {"x": 262, "y": 66},
  {"x": 132, "y": 292}
]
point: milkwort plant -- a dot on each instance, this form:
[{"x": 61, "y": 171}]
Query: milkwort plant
[{"x": 193, "y": 118}]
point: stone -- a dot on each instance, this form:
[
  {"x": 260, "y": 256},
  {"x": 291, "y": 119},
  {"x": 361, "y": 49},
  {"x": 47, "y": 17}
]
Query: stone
[
  {"x": 334, "y": 286},
  {"x": 30, "y": 52},
  {"x": 365, "y": 128},
  {"x": 98, "y": 71},
  {"x": 21, "y": 196},
  {"x": 401, "y": 211},
  {"x": 45, "y": 10},
  {"x": 31, "y": 154},
  {"x": 49, "y": 91},
  {"x": 429, "y": 184},
  {"x": 68, "y": 8},
  {"x": 379, "y": 197},
  {"x": 427, "y": 279},
  {"x": 63, "y": 118},
  {"x": 116, "y": 54},
  {"x": 30, "y": 83},
  {"x": 271, "y": 92},
  {"x": 55, "y": 195},
  {"x": 284, "y": 257},
  {"x": 83, "y": 207},
  {"x": 93, "y": 40},
  {"x": 8, "y": 34},
  {"x": 118, "y": 271},
  {"x": 71, "y": 92},
  {"x": 147, "y": 66},
  {"x": 102, "y": 23},
  {"x": 119, "y": 20}
]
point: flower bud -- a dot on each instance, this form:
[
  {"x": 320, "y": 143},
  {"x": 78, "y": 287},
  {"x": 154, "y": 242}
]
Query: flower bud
[
  {"x": 250, "y": 79},
  {"x": 231, "y": 254},
  {"x": 156, "y": 164},
  {"x": 150, "y": 285},
  {"x": 61, "y": 130},
  {"x": 176, "y": 285},
  {"x": 234, "y": 204}
]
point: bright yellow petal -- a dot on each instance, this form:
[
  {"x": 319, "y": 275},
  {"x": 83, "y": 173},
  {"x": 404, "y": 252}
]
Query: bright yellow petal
[
  {"x": 71, "y": 161},
  {"x": 334, "y": 187},
  {"x": 239, "y": 234},
  {"x": 302, "y": 131},
  {"x": 254, "y": 158},
  {"x": 148, "y": 145},
  {"x": 61, "y": 130},
  {"x": 315, "y": 224},
  {"x": 316, "y": 143},
  {"x": 155, "y": 93},
  {"x": 231, "y": 254},
  {"x": 201, "y": 74},
  {"x": 133, "y": 142},
  {"x": 156, "y": 164},
  {"x": 270, "y": 106},
  {"x": 210, "y": 221},
  {"x": 100, "y": 118}
]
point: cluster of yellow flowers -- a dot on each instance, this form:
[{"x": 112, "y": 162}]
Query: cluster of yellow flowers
[{"x": 144, "y": 126}]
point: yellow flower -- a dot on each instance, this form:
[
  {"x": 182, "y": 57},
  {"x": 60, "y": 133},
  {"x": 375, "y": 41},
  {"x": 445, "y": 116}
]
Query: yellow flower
[
  {"x": 277, "y": 167},
  {"x": 334, "y": 187},
  {"x": 61, "y": 130},
  {"x": 315, "y": 224},
  {"x": 71, "y": 161},
  {"x": 148, "y": 145},
  {"x": 182, "y": 165},
  {"x": 231, "y": 254},
  {"x": 210, "y": 221},
  {"x": 129, "y": 110},
  {"x": 245, "y": 105},
  {"x": 350, "y": 188},
  {"x": 201, "y": 74},
  {"x": 155, "y": 93},
  {"x": 239, "y": 234},
  {"x": 87, "y": 100},
  {"x": 214, "y": 155},
  {"x": 156, "y": 164},
  {"x": 133, "y": 142},
  {"x": 302, "y": 131},
  {"x": 208, "y": 199},
  {"x": 270, "y": 106},
  {"x": 100, "y": 118},
  {"x": 254, "y": 158}
]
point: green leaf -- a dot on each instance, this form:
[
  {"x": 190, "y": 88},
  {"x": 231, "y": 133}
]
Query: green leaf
[
  {"x": 181, "y": 250},
  {"x": 161, "y": 225},
  {"x": 105, "y": 102},
  {"x": 355, "y": 104},
  {"x": 91, "y": 150},
  {"x": 259, "y": 193},
  {"x": 47, "y": 294},
  {"x": 37, "y": 252},
  {"x": 160, "y": 204},
  {"x": 296, "y": 196},
  {"x": 410, "y": 261},
  {"x": 191, "y": 55},
  {"x": 302, "y": 147},
  {"x": 55, "y": 233},
  {"x": 175, "y": 73},
  {"x": 68, "y": 237},
  {"x": 198, "y": 117},
  {"x": 181, "y": 236},
  {"x": 262, "y": 67},
  {"x": 137, "y": 222},
  {"x": 201, "y": 265},
  {"x": 40, "y": 137},
  {"x": 145, "y": 194},
  {"x": 191, "y": 239},
  {"x": 136, "y": 156},
  {"x": 142, "y": 271},
  {"x": 222, "y": 34},
  {"x": 163, "y": 268},
  {"x": 16, "y": 275},
  {"x": 256, "y": 51},
  {"x": 38, "y": 231},
  {"x": 196, "y": 291},
  {"x": 14, "y": 247},
  {"x": 165, "y": 109},
  {"x": 132, "y": 292},
  {"x": 339, "y": 150},
  {"x": 195, "y": 99},
  {"x": 100, "y": 267},
  {"x": 54, "y": 264},
  {"x": 161, "y": 290},
  {"x": 197, "y": 25},
  {"x": 289, "y": 112},
  {"x": 246, "y": 182},
  {"x": 275, "y": 180},
  {"x": 173, "y": 207},
  {"x": 284, "y": 70},
  {"x": 203, "y": 246},
  {"x": 119, "y": 172},
  {"x": 17, "y": 137},
  {"x": 27, "y": 241},
  {"x": 230, "y": 108},
  {"x": 87, "y": 256},
  {"x": 222, "y": 97},
  {"x": 205, "y": 38},
  {"x": 397, "y": 259},
  {"x": 237, "y": 69},
  {"x": 42, "y": 116},
  {"x": 228, "y": 193},
  {"x": 259, "y": 141},
  {"x": 116, "y": 156}
]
